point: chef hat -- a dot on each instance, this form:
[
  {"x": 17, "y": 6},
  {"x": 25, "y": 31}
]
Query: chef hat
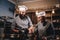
[
  {"x": 22, "y": 8},
  {"x": 41, "y": 14}
]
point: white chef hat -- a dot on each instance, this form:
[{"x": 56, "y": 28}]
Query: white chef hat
[
  {"x": 42, "y": 13},
  {"x": 22, "y": 8}
]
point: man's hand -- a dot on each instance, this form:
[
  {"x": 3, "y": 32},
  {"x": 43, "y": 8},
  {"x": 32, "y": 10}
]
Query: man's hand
[
  {"x": 44, "y": 38},
  {"x": 15, "y": 30},
  {"x": 31, "y": 29}
]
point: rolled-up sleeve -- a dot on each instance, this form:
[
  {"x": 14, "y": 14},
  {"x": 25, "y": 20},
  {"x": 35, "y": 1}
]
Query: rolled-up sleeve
[{"x": 13, "y": 24}]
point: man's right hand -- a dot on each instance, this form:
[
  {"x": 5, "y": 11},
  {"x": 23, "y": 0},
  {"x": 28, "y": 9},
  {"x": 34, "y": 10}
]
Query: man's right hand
[{"x": 15, "y": 30}]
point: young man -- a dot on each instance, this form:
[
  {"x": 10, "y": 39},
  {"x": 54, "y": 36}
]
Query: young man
[
  {"x": 22, "y": 20},
  {"x": 44, "y": 27}
]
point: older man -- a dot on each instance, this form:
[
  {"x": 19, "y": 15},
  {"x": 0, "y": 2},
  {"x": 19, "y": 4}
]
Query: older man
[{"x": 44, "y": 27}]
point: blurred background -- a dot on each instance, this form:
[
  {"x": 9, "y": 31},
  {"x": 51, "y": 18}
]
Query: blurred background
[{"x": 8, "y": 8}]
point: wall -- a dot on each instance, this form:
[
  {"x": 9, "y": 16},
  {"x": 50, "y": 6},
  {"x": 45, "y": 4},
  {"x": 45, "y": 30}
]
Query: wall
[{"x": 4, "y": 8}]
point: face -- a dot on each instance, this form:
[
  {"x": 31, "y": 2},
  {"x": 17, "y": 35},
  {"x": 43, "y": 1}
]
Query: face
[
  {"x": 41, "y": 18},
  {"x": 22, "y": 13}
]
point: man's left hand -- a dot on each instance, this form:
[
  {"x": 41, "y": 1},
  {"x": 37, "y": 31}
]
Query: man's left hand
[{"x": 31, "y": 29}]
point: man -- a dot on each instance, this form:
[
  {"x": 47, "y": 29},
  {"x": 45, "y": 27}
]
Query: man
[
  {"x": 22, "y": 20},
  {"x": 44, "y": 27}
]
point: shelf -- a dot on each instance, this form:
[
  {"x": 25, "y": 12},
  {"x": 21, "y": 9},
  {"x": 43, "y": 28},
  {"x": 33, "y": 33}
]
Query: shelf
[
  {"x": 56, "y": 28},
  {"x": 54, "y": 17}
]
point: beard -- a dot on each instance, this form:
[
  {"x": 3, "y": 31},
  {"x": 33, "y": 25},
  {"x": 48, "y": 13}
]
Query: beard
[{"x": 22, "y": 16}]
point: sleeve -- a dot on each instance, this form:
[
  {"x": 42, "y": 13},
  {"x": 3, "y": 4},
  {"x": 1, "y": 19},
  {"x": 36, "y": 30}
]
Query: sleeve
[
  {"x": 13, "y": 25},
  {"x": 50, "y": 30},
  {"x": 14, "y": 22},
  {"x": 30, "y": 22}
]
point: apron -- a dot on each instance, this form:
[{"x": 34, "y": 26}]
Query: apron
[
  {"x": 42, "y": 29},
  {"x": 21, "y": 23}
]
